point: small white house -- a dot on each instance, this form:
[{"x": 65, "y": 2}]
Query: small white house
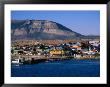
[{"x": 94, "y": 43}]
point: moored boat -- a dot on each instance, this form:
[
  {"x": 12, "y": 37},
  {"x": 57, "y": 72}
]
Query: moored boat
[{"x": 16, "y": 61}]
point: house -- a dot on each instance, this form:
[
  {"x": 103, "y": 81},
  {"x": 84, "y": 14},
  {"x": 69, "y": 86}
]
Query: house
[
  {"x": 75, "y": 47},
  {"x": 94, "y": 43},
  {"x": 56, "y": 52},
  {"x": 14, "y": 51}
]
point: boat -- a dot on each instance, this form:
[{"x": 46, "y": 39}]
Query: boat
[{"x": 16, "y": 61}]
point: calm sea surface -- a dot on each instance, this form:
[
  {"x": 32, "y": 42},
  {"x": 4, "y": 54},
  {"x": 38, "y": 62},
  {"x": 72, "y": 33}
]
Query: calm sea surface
[{"x": 64, "y": 68}]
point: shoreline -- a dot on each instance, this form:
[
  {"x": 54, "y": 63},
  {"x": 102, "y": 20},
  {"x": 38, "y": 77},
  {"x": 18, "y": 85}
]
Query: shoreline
[{"x": 36, "y": 61}]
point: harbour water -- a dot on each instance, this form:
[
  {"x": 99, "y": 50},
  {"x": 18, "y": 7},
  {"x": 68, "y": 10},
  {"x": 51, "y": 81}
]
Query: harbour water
[{"x": 59, "y": 68}]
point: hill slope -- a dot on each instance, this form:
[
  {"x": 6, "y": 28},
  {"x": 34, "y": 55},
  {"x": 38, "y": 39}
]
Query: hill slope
[{"x": 41, "y": 29}]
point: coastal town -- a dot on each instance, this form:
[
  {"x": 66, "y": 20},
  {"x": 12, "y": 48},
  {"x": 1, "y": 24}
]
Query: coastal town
[
  {"x": 33, "y": 51},
  {"x": 54, "y": 43}
]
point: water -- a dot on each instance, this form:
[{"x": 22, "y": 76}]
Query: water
[{"x": 64, "y": 68}]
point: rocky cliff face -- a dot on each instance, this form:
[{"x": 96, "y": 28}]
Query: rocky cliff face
[{"x": 40, "y": 29}]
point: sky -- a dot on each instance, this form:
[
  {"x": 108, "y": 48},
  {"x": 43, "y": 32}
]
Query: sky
[{"x": 83, "y": 22}]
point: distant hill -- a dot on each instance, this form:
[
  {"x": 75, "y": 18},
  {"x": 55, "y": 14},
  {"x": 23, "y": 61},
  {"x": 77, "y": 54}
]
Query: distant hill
[
  {"x": 41, "y": 30},
  {"x": 91, "y": 37}
]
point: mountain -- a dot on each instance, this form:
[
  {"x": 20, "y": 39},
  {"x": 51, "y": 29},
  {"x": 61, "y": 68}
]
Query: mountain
[{"x": 41, "y": 29}]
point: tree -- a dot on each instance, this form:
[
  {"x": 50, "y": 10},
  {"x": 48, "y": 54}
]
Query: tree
[
  {"x": 42, "y": 46},
  {"x": 12, "y": 51}
]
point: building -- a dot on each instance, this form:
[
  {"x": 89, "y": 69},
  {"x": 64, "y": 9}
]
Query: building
[
  {"x": 56, "y": 52},
  {"x": 75, "y": 47}
]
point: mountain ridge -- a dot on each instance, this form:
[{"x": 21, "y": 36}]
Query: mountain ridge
[{"x": 41, "y": 29}]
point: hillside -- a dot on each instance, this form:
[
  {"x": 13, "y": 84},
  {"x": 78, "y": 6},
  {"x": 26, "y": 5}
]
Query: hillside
[{"x": 41, "y": 29}]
